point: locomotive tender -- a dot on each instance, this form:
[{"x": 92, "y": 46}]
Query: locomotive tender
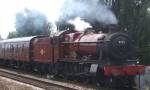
[{"x": 104, "y": 56}]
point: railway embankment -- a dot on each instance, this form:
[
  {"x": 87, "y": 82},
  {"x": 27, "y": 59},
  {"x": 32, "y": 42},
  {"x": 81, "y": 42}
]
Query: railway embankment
[
  {"x": 143, "y": 81},
  {"x": 9, "y": 84}
]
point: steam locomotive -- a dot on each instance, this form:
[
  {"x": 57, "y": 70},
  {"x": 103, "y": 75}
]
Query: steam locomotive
[{"x": 101, "y": 57}]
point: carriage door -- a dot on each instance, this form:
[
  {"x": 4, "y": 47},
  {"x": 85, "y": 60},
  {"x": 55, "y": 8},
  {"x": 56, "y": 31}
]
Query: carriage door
[{"x": 56, "y": 48}]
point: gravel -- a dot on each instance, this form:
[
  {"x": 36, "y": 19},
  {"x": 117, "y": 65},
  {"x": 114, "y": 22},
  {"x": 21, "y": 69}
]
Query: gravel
[{"x": 9, "y": 84}]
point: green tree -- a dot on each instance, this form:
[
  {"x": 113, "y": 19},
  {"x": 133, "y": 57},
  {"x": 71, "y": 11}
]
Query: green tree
[
  {"x": 63, "y": 25},
  {"x": 133, "y": 18},
  {"x": 0, "y": 37},
  {"x": 32, "y": 22},
  {"x": 12, "y": 34}
]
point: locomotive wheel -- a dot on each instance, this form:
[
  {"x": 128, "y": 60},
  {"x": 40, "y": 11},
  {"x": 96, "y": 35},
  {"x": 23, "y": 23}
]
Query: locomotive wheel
[
  {"x": 130, "y": 82},
  {"x": 100, "y": 78},
  {"x": 1, "y": 62}
]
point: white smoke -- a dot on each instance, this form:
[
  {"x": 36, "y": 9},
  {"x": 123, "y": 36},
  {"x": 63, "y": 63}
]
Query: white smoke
[
  {"x": 80, "y": 24},
  {"x": 91, "y": 10}
]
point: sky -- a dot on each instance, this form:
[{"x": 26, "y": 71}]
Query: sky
[
  {"x": 50, "y": 8},
  {"x": 9, "y": 8}
]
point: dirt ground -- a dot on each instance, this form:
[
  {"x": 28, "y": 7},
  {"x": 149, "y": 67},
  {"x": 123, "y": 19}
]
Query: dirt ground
[{"x": 9, "y": 84}]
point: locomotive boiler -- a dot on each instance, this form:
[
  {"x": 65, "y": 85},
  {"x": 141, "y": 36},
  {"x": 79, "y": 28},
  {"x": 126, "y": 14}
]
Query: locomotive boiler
[
  {"x": 105, "y": 55},
  {"x": 100, "y": 57}
]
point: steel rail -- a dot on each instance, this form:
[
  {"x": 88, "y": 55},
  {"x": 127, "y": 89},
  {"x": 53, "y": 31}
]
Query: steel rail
[{"x": 41, "y": 82}]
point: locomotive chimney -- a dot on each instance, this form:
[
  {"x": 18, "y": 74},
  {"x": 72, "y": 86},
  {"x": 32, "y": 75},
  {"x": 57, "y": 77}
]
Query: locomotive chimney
[{"x": 112, "y": 28}]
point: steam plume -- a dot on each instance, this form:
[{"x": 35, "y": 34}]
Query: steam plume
[
  {"x": 68, "y": 10},
  {"x": 79, "y": 24},
  {"x": 90, "y": 10}
]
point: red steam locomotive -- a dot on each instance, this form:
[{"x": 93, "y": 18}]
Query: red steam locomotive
[{"x": 103, "y": 57}]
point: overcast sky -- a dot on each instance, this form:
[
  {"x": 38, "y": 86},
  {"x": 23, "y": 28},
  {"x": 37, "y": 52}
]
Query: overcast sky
[{"x": 9, "y": 8}]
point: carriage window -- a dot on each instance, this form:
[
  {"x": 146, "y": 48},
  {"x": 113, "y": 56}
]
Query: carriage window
[
  {"x": 3, "y": 48},
  {"x": 0, "y": 47},
  {"x": 8, "y": 48},
  {"x": 25, "y": 46},
  {"x": 16, "y": 48},
  {"x": 22, "y": 49},
  {"x": 12, "y": 48}
]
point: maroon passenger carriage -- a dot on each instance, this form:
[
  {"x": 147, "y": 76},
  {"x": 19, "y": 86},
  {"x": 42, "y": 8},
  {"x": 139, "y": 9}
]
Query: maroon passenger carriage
[
  {"x": 28, "y": 52},
  {"x": 101, "y": 56}
]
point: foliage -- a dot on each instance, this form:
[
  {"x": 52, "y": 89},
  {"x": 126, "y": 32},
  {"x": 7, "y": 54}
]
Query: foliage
[
  {"x": 0, "y": 37},
  {"x": 133, "y": 18},
  {"x": 62, "y": 25},
  {"x": 31, "y": 22},
  {"x": 12, "y": 34}
]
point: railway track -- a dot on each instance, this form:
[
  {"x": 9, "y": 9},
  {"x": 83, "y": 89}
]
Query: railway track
[
  {"x": 46, "y": 83},
  {"x": 42, "y": 82}
]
